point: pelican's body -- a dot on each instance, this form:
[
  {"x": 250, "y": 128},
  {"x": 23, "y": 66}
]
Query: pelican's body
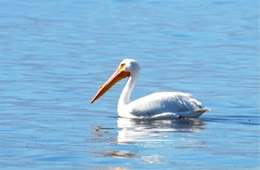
[
  {"x": 158, "y": 105},
  {"x": 162, "y": 105}
]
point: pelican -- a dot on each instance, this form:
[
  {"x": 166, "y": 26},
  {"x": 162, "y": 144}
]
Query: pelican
[{"x": 159, "y": 105}]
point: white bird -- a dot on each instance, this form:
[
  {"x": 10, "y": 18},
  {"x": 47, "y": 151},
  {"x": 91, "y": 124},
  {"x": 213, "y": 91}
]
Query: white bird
[{"x": 160, "y": 105}]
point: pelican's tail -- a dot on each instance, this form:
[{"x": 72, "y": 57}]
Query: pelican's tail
[
  {"x": 202, "y": 110},
  {"x": 196, "y": 113}
]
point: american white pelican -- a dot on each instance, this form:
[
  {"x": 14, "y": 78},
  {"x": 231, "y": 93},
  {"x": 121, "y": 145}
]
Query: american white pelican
[{"x": 160, "y": 105}]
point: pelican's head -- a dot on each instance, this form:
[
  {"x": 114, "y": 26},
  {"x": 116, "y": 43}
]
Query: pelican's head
[
  {"x": 130, "y": 65},
  {"x": 126, "y": 68}
]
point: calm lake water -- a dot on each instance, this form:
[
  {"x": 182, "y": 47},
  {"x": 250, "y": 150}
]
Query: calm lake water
[{"x": 55, "y": 54}]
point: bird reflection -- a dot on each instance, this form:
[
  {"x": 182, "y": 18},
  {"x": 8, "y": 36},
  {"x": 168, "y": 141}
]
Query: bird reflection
[
  {"x": 131, "y": 131},
  {"x": 154, "y": 130}
]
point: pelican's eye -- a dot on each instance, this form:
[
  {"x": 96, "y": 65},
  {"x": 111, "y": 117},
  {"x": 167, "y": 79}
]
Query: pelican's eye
[{"x": 121, "y": 66}]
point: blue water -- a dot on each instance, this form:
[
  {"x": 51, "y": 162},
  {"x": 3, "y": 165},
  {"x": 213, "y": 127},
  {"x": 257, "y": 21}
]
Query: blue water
[{"x": 55, "y": 54}]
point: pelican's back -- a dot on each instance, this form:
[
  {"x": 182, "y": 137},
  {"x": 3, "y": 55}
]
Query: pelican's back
[{"x": 166, "y": 104}]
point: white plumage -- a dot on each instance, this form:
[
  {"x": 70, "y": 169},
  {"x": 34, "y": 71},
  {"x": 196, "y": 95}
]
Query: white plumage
[
  {"x": 163, "y": 105},
  {"x": 160, "y": 105}
]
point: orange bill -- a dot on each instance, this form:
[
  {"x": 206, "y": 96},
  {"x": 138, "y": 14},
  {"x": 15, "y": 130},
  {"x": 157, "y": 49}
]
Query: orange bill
[{"x": 117, "y": 76}]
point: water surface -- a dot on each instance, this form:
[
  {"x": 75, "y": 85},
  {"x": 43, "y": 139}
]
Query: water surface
[{"x": 55, "y": 54}]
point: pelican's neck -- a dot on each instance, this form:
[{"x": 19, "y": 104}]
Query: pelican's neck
[{"x": 126, "y": 93}]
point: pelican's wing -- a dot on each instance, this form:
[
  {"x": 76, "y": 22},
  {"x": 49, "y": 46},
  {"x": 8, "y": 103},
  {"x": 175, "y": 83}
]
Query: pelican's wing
[{"x": 174, "y": 103}]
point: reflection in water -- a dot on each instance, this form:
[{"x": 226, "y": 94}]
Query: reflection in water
[
  {"x": 121, "y": 154},
  {"x": 145, "y": 131},
  {"x": 151, "y": 130}
]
